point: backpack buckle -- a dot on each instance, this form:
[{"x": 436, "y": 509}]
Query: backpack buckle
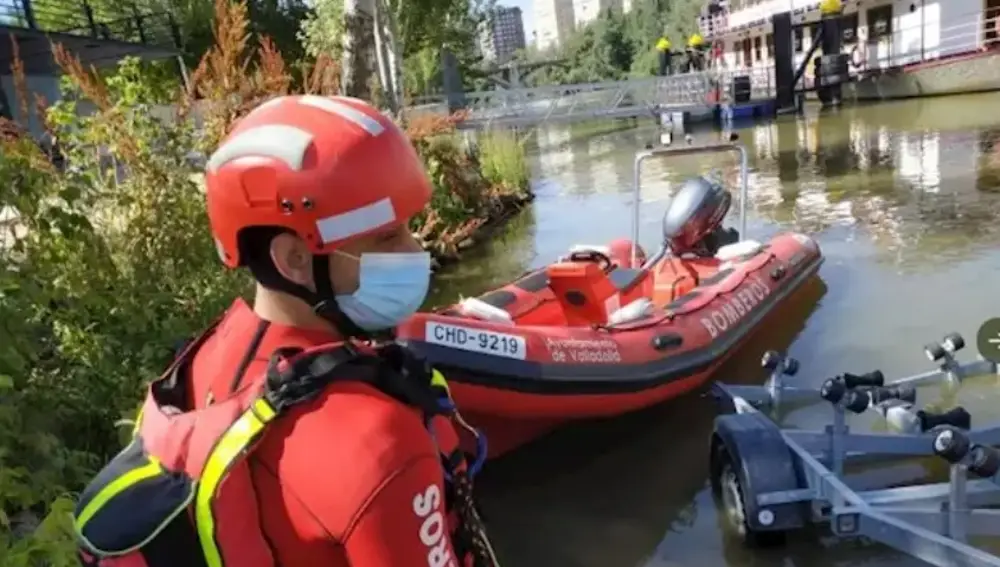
[{"x": 305, "y": 375}]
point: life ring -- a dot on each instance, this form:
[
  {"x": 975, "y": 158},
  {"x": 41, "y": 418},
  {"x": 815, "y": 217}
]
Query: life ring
[{"x": 857, "y": 59}]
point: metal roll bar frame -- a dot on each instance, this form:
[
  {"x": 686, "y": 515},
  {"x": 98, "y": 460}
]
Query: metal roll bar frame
[{"x": 676, "y": 151}]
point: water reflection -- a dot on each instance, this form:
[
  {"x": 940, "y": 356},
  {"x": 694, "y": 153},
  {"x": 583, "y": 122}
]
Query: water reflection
[
  {"x": 887, "y": 190},
  {"x": 989, "y": 161},
  {"x": 920, "y": 193},
  {"x": 505, "y": 256},
  {"x": 555, "y": 153}
]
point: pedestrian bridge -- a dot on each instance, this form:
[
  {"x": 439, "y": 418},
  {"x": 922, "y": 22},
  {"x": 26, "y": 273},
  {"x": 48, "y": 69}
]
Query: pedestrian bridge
[{"x": 634, "y": 98}]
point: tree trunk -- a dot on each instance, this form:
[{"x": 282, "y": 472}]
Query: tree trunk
[
  {"x": 382, "y": 50},
  {"x": 395, "y": 45},
  {"x": 357, "y": 46}
]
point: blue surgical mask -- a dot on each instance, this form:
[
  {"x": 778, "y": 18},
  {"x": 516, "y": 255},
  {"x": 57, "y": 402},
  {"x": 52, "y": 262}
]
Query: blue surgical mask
[{"x": 392, "y": 287}]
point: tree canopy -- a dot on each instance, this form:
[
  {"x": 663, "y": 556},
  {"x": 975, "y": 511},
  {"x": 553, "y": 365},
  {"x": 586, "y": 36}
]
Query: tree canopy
[{"x": 617, "y": 46}]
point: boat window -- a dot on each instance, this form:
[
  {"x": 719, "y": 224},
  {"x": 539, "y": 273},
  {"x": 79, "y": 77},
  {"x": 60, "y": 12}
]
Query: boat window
[
  {"x": 879, "y": 22},
  {"x": 798, "y": 40},
  {"x": 756, "y": 49},
  {"x": 991, "y": 23},
  {"x": 736, "y": 53},
  {"x": 850, "y": 29},
  {"x": 769, "y": 40},
  {"x": 814, "y": 33}
]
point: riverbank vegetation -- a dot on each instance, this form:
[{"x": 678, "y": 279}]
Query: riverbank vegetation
[
  {"x": 106, "y": 260},
  {"x": 618, "y": 46}
]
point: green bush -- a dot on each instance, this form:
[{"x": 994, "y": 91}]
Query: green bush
[
  {"x": 503, "y": 160},
  {"x": 111, "y": 265},
  {"x": 105, "y": 265}
]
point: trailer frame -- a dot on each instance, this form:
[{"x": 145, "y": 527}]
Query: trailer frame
[{"x": 770, "y": 481}]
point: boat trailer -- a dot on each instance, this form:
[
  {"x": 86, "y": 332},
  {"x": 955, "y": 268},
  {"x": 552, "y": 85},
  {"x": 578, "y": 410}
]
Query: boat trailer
[{"x": 769, "y": 481}]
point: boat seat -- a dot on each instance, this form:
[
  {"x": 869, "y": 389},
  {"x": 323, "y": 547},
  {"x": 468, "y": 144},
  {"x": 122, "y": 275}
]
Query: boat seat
[
  {"x": 624, "y": 278},
  {"x": 585, "y": 293}
]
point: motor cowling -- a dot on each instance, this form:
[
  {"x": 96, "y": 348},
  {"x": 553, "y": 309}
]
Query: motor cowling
[{"x": 692, "y": 222}]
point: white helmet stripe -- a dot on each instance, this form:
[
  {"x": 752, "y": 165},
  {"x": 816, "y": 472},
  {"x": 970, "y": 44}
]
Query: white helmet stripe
[
  {"x": 352, "y": 223},
  {"x": 345, "y": 111},
  {"x": 284, "y": 143}
]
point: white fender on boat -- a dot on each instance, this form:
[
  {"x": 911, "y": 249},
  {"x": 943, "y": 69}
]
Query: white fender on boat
[
  {"x": 738, "y": 249},
  {"x": 479, "y": 309},
  {"x": 606, "y": 250},
  {"x": 634, "y": 311}
]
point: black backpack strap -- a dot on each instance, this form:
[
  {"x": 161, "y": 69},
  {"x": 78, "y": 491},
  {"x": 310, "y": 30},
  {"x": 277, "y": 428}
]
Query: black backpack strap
[
  {"x": 295, "y": 377},
  {"x": 305, "y": 375},
  {"x": 410, "y": 378}
]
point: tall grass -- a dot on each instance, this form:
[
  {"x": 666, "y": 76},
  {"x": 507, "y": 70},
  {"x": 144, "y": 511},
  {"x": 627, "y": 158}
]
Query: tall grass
[{"x": 503, "y": 160}]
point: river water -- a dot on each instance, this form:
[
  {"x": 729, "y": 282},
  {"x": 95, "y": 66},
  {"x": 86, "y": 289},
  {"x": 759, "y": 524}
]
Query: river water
[{"x": 904, "y": 199}]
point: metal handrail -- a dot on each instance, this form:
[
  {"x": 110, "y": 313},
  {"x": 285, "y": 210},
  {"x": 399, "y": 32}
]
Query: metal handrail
[
  {"x": 683, "y": 151},
  {"x": 951, "y": 40},
  {"x": 129, "y": 23}
]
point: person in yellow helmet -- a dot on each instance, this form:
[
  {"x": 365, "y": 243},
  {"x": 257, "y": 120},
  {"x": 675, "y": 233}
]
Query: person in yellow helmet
[
  {"x": 665, "y": 56},
  {"x": 695, "y": 53},
  {"x": 830, "y": 7}
]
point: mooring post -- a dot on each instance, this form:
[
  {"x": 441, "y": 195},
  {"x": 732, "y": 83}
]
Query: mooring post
[
  {"x": 453, "y": 89},
  {"x": 784, "y": 74},
  {"x": 831, "y": 38}
]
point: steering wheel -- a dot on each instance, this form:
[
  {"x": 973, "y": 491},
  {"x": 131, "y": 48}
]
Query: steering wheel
[{"x": 602, "y": 259}]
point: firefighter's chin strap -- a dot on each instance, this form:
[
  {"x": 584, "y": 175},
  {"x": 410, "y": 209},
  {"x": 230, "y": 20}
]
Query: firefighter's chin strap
[{"x": 323, "y": 301}]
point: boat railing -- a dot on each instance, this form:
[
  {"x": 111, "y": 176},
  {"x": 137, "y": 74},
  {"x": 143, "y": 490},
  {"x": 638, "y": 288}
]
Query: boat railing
[
  {"x": 924, "y": 39},
  {"x": 929, "y": 41},
  {"x": 677, "y": 151},
  {"x": 899, "y": 47},
  {"x": 761, "y": 80}
]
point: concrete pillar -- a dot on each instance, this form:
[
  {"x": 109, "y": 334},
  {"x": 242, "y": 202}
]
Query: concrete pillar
[{"x": 454, "y": 90}]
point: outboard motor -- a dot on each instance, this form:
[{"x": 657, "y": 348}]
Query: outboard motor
[{"x": 693, "y": 221}]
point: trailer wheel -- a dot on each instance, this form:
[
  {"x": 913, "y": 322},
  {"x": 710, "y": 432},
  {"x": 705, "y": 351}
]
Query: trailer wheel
[{"x": 728, "y": 492}]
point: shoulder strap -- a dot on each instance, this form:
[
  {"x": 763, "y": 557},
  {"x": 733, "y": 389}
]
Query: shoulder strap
[{"x": 295, "y": 376}]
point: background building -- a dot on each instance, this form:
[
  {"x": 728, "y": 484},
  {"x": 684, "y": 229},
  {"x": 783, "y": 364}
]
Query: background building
[
  {"x": 586, "y": 11},
  {"x": 502, "y": 34},
  {"x": 554, "y": 22}
]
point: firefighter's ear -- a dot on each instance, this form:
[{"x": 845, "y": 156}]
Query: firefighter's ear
[{"x": 293, "y": 259}]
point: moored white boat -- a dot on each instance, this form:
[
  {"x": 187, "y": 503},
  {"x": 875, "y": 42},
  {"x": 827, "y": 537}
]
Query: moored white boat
[{"x": 897, "y": 48}]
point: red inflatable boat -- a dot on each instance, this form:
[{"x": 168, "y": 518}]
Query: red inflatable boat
[{"x": 606, "y": 330}]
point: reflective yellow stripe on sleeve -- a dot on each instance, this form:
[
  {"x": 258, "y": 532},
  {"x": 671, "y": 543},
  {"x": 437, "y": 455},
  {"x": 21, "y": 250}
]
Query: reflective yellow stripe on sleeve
[
  {"x": 138, "y": 421},
  {"x": 116, "y": 487},
  {"x": 234, "y": 441}
]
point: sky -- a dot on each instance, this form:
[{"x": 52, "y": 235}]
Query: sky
[{"x": 527, "y": 13}]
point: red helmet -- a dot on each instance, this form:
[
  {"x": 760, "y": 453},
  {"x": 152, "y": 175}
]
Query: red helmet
[{"x": 328, "y": 169}]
